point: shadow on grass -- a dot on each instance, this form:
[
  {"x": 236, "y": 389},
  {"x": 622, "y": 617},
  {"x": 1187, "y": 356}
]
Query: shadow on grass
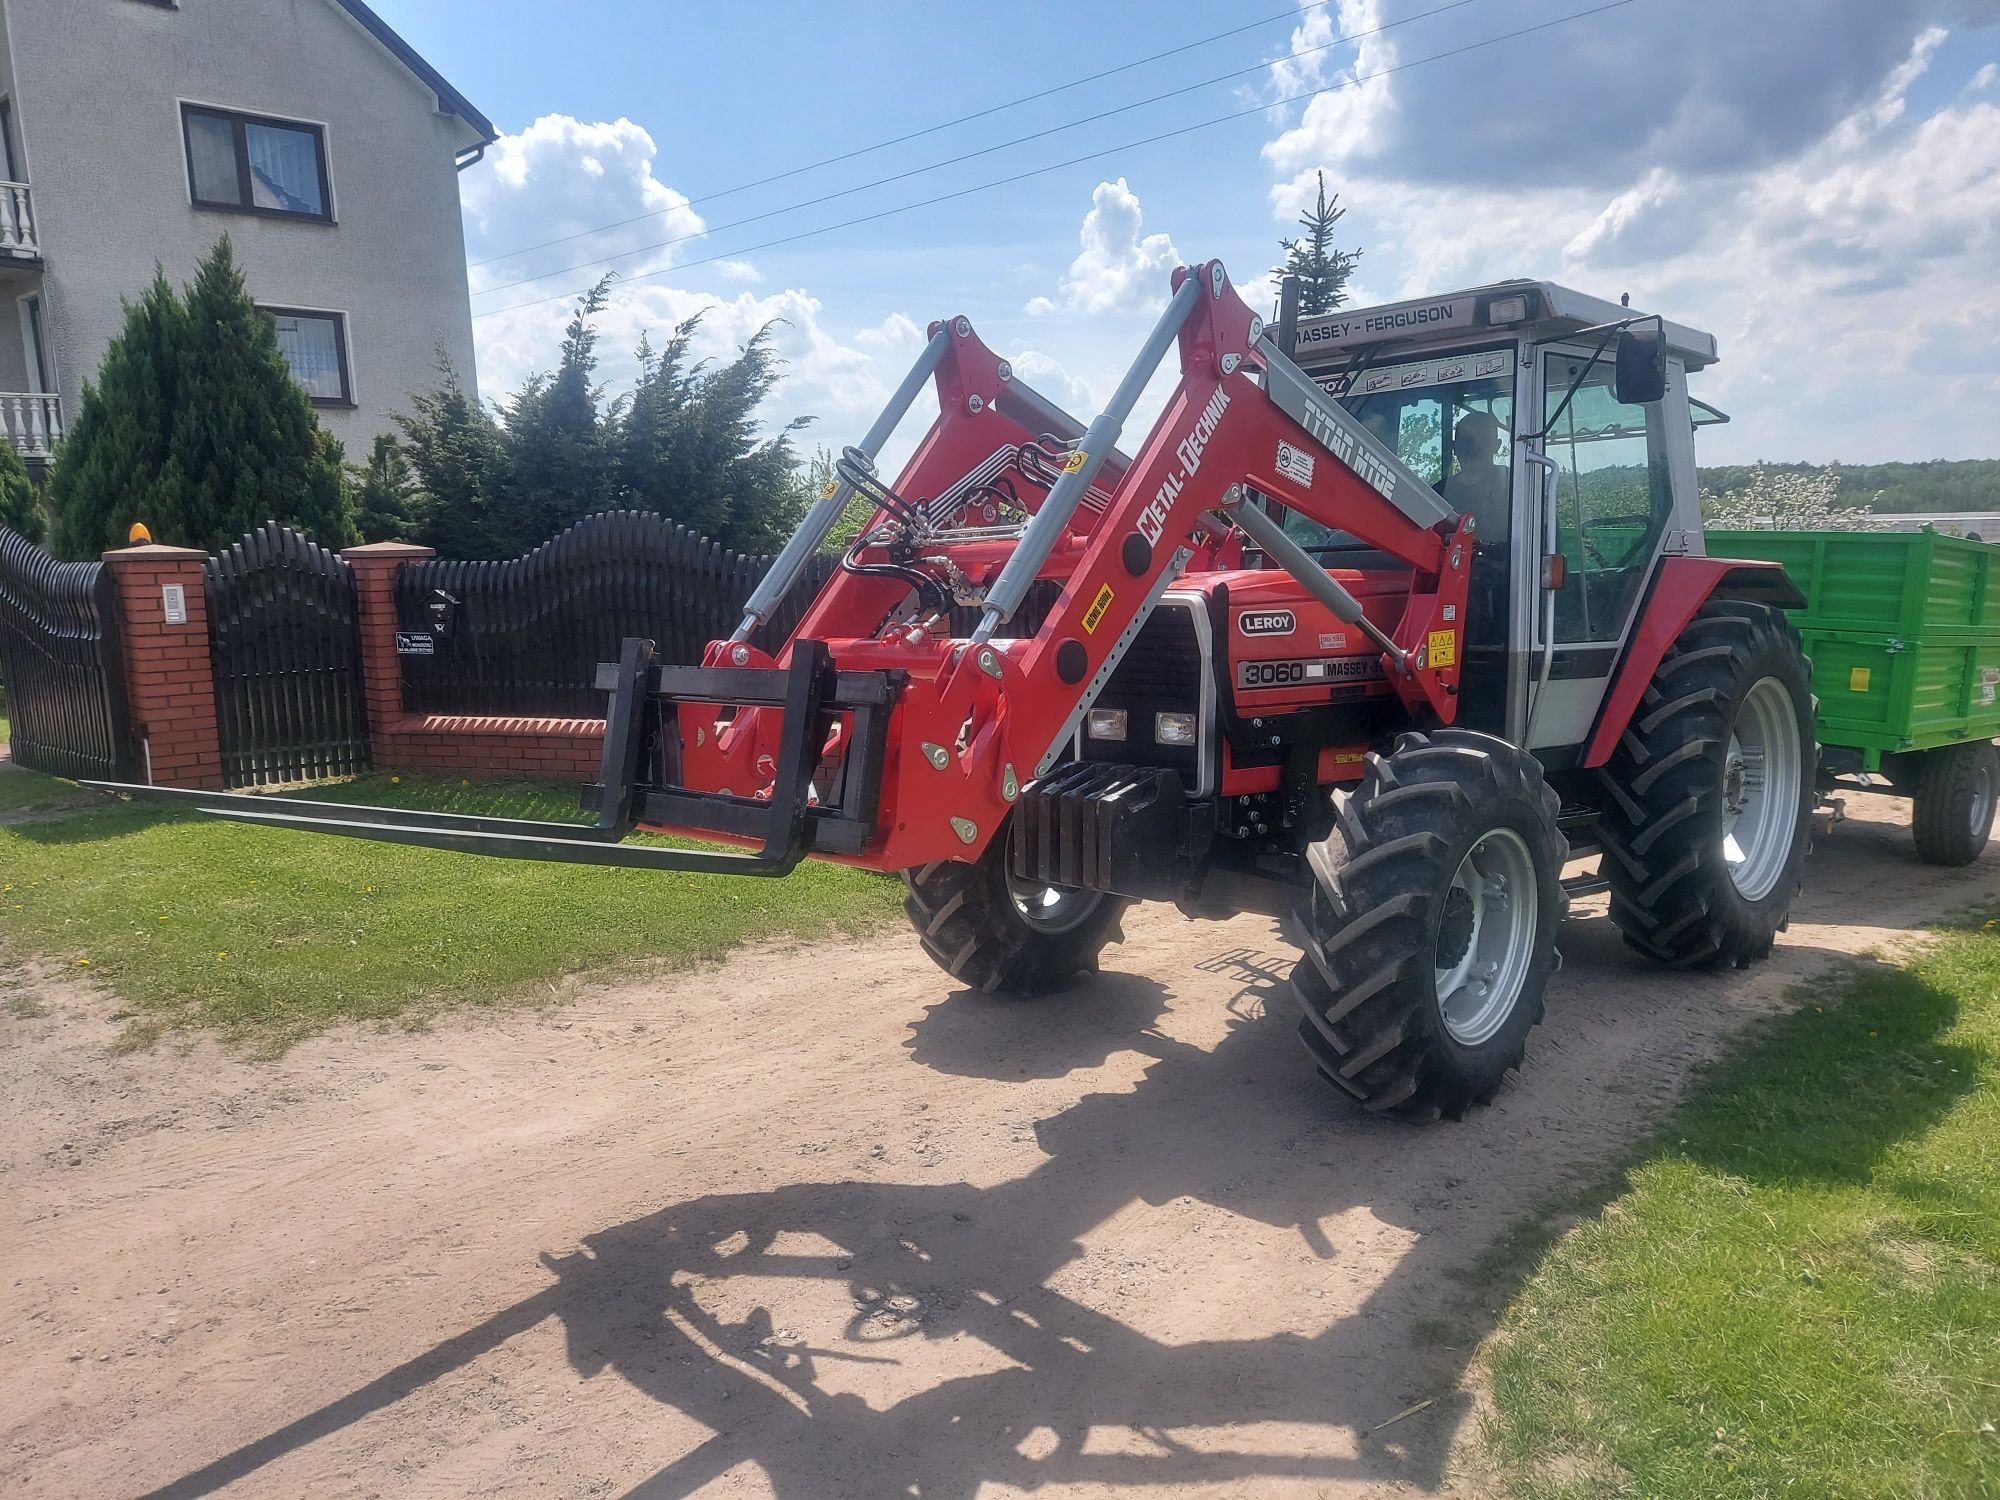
[{"x": 1822, "y": 1093}]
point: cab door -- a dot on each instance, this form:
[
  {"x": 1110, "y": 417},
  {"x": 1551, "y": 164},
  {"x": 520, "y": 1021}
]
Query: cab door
[{"x": 1618, "y": 469}]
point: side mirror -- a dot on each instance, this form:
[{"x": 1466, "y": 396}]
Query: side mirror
[{"x": 1641, "y": 373}]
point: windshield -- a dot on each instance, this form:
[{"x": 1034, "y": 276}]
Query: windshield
[{"x": 1449, "y": 418}]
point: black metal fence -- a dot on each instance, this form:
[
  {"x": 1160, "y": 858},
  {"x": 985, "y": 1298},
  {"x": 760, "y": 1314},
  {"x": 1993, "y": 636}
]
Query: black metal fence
[
  {"x": 524, "y": 637},
  {"x": 286, "y": 645},
  {"x": 60, "y": 664}
]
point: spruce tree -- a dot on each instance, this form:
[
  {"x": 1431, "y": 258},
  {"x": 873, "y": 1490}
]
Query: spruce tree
[
  {"x": 248, "y": 444},
  {"x": 1321, "y": 269},
  {"x": 557, "y": 464},
  {"x": 20, "y": 505},
  {"x": 688, "y": 447},
  {"x": 386, "y": 497},
  {"x": 454, "y": 448},
  {"x": 196, "y": 427},
  {"x": 113, "y": 467}
]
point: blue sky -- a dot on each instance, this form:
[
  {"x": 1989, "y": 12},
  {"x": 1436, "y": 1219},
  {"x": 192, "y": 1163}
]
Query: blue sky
[{"x": 1817, "y": 181}]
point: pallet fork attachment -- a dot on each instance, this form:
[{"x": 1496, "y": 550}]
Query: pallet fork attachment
[{"x": 632, "y": 787}]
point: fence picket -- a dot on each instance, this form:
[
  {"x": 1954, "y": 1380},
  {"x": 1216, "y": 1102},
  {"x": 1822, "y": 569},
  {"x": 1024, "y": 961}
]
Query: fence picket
[
  {"x": 60, "y": 664},
  {"x": 285, "y": 644}
]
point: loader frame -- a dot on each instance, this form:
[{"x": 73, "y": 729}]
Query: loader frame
[{"x": 894, "y": 746}]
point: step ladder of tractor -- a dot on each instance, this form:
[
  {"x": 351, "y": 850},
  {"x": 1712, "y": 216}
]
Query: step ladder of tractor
[{"x": 1579, "y": 826}]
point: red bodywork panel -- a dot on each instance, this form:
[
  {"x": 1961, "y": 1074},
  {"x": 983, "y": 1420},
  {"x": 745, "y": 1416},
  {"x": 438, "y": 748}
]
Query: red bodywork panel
[
  {"x": 992, "y": 713},
  {"x": 1681, "y": 587}
]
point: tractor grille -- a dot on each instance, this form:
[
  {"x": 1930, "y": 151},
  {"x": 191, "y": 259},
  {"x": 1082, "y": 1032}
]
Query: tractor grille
[{"x": 1161, "y": 672}]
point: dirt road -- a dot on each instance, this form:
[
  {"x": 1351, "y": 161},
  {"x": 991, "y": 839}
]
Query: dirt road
[{"x": 809, "y": 1224}]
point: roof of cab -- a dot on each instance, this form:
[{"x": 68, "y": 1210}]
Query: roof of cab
[{"x": 1508, "y": 306}]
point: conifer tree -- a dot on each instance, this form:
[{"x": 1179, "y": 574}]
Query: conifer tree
[
  {"x": 386, "y": 497},
  {"x": 20, "y": 505},
  {"x": 1321, "y": 269},
  {"x": 557, "y": 459},
  {"x": 195, "y": 426},
  {"x": 454, "y": 448}
]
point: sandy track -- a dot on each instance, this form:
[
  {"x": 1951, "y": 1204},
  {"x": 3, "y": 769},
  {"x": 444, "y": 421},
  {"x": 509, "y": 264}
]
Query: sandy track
[{"x": 808, "y": 1224}]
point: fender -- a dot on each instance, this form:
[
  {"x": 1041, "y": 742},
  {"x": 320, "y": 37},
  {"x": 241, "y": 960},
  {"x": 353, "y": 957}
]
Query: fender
[{"x": 1681, "y": 587}]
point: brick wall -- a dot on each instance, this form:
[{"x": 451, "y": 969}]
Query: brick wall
[
  {"x": 170, "y": 684},
  {"x": 169, "y": 680}
]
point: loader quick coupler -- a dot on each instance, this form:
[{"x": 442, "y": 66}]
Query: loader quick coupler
[{"x": 806, "y": 811}]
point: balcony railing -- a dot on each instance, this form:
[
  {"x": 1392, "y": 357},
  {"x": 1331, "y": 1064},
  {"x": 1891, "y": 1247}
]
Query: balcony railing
[
  {"x": 18, "y": 238},
  {"x": 31, "y": 421}
]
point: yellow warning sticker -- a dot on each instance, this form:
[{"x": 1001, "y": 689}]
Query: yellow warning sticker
[
  {"x": 1076, "y": 462},
  {"x": 1095, "y": 614},
  {"x": 1857, "y": 680},
  {"x": 1442, "y": 649},
  {"x": 826, "y": 490}
]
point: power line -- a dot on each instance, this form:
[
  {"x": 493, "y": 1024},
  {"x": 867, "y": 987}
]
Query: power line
[
  {"x": 897, "y": 140},
  {"x": 951, "y": 161},
  {"x": 1167, "y": 135}
]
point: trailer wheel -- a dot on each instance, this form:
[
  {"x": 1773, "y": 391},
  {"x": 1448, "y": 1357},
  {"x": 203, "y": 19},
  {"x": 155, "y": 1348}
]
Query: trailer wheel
[
  {"x": 995, "y": 933},
  {"x": 1430, "y": 932},
  {"x": 1955, "y": 796},
  {"x": 1708, "y": 798}
]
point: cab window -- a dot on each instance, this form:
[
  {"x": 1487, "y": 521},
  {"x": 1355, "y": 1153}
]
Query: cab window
[
  {"x": 1613, "y": 495},
  {"x": 1450, "y": 419}
]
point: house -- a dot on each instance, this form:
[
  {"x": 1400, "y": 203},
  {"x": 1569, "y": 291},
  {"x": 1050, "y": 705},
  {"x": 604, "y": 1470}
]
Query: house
[{"x": 135, "y": 133}]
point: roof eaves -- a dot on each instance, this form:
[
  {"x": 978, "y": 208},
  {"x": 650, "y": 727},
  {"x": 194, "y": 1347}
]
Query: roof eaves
[{"x": 450, "y": 100}]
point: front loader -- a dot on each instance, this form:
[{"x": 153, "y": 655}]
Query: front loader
[{"x": 1392, "y": 614}]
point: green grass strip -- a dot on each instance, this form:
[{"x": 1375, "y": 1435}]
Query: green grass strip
[
  {"x": 267, "y": 935},
  {"x": 1796, "y": 1290}
]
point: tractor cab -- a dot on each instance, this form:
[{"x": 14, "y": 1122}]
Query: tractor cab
[{"x": 1560, "y": 422}]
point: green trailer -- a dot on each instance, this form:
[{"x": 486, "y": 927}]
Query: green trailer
[{"x": 1903, "y": 628}]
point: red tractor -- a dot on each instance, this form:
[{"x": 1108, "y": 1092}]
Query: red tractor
[{"x": 1394, "y": 613}]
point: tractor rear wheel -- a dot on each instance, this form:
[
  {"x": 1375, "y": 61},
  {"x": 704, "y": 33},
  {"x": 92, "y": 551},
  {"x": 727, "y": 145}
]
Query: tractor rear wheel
[
  {"x": 996, "y": 933},
  {"x": 1430, "y": 932},
  {"x": 1955, "y": 793},
  {"x": 1707, "y": 800}
]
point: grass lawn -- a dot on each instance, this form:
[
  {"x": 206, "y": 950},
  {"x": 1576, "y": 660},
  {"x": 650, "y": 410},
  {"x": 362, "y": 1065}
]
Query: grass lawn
[
  {"x": 267, "y": 936},
  {"x": 1796, "y": 1291}
]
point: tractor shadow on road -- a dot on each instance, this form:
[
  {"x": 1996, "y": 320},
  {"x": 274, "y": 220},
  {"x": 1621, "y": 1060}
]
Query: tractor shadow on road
[{"x": 690, "y": 1304}]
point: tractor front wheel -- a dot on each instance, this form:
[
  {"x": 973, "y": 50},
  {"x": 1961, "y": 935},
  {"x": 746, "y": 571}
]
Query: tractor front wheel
[
  {"x": 994, "y": 932},
  {"x": 1707, "y": 801},
  {"x": 1430, "y": 932}
]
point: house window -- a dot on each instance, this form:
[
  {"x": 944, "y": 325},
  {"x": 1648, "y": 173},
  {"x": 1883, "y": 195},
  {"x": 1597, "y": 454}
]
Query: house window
[
  {"x": 255, "y": 166},
  {"x": 315, "y": 346}
]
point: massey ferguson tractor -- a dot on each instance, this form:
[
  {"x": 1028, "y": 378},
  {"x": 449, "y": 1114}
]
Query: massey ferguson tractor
[{"x": 1394, "y": 615}]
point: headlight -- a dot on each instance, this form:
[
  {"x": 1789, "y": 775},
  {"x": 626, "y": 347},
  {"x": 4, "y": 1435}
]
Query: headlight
[
  {"x": 1105, "y": 724},
  {"x": 1173, "y": 729}
]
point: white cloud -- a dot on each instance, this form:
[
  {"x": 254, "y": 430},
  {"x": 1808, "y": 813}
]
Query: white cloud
[
  {"x": 1854, "y": 284},
  {"x": 1051, "y": 379},
  {"x": 1120, "y": 268},
  {"x": 1351, "y": 121},
  {"x": 560, "y": 178},
  {"x": 1293, "y": 74},
  {"x": 1985, "y": 78}
]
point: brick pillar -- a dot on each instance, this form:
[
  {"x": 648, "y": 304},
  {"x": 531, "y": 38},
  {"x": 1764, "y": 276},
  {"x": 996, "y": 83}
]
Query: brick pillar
[
  {"x": 375, "y": 568},
  {"x": 169, "y": 679}
]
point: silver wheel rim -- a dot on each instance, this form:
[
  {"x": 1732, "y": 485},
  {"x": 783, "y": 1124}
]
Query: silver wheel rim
[
  {"x": 1982, "y": 801},
  {"x": 1050, "y": 909},
  {"x": 1486, "y": 936},
  {"x": 1761, "y": 790}
]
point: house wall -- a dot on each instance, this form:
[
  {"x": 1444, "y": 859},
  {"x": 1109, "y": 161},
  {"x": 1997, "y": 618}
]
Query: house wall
[{"x": 98, "y": 85}]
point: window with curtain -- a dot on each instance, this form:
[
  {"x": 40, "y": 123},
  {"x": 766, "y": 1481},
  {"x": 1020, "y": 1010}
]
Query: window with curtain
[
  {"x": 255, "y": 165},
  {"x": 315, "y": 346}
]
